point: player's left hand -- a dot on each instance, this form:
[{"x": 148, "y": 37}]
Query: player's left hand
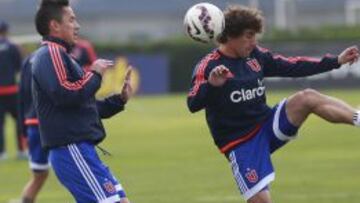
[
  {"x": 349, "y": 55},
  {"x": 126, "y": 91}
]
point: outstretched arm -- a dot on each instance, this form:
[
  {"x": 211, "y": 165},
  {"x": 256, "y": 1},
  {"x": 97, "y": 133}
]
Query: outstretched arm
[{"x": 278, "y": 65}]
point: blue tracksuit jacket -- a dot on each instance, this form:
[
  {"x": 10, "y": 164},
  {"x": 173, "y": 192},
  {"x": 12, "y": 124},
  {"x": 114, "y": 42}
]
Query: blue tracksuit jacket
[{"x": 64, "y": 97}]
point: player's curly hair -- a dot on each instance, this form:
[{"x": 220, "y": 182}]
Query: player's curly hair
[
  {"x": 49, "y": 10},
  {"x": 238, "y": 19}
]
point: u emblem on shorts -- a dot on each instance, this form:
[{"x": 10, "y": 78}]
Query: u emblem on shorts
[
  {"x": 251, "y": 176},
  {"x": 109, "y": 187}
]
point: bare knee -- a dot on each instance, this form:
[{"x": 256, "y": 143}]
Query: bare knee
[
  {"x": 305, "y": 98},
  {"x": 301, "y": 104}
]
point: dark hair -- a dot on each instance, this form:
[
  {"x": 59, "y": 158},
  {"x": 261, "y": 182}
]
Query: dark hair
[
  {"x": 238, "y": 19},
  {"x": 49, "y": 10}
]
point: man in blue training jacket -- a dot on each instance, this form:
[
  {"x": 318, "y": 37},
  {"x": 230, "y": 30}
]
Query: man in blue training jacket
[
  {"x": 69, "y": 115},
  {"x": 229, "y": 84}
]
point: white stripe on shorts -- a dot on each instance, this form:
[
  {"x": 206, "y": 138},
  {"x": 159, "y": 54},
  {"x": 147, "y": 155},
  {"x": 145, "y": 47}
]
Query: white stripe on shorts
[
  {"x": 238, "y": 177},
  {"x": 280, "y": 135},
  {"x": 86, "y": 172}
]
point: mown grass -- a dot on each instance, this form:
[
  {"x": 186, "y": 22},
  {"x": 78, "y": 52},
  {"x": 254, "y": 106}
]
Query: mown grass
[{"x": 164, "y": 154}]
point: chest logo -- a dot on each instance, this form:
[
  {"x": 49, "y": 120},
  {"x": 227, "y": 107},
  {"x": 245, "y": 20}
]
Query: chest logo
[
  {"x": 248, "y": 94},
  {"x": 254, "y": 65}
]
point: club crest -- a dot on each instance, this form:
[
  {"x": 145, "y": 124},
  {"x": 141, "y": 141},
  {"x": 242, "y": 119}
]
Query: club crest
[
  {"x": 254, "y": 65},
  {"x": 252, "y": 176},
  {"x": 109, "y": 187}
]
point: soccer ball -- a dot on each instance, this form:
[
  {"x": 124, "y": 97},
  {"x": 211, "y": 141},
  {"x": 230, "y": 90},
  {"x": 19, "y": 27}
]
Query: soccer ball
[{"x": 204, "y": 22}]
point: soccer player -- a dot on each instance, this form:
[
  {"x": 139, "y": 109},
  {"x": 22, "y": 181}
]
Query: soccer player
[
  {"x": 69, "y": 115},
  {"x": 10, "y": 60},
  {"x": 229, "y": 84},
  {"x": 38, "y": 157}
]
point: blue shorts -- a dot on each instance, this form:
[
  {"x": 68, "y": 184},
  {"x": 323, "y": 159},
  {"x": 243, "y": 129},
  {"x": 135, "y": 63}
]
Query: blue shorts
[
  {"x": 251, "y": 163},
  {"x": 38, "y": 157},
  {"x": 80, "y": 170}
]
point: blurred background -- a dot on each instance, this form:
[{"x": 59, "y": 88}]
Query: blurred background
[
  {"x": 164, "y": 154},
  {"x": 155, "y": 30}
]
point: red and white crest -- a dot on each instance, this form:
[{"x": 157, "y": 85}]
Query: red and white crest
[
  {"x": 254, "y": 65},
  {"x": 109, "y": 187},
  {"x": 252, "y": 176}
]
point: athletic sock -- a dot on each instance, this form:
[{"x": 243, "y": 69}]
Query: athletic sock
[{"x": 356, "y": 118}]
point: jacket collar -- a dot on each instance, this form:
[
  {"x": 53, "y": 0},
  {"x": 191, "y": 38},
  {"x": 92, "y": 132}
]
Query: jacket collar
[{"x": 57, "y": 41}]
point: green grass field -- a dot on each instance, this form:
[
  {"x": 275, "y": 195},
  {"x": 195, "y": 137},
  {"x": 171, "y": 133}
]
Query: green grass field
[{"x": 164, "y": 154}]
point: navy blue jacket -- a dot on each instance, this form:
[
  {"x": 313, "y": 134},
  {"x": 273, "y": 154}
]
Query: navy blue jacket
[
  {"x": 27, "y": 114},
  {"x": 64, "y": 97},
  {"x": 10, "y": 63},
  {"x": 235, "y": 111}
]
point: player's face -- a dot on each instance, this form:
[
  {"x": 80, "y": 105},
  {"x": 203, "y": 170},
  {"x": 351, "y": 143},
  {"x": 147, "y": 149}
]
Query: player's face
[
  {"x": 69, "y": 27},
  {"x": 244, "y": 44}
]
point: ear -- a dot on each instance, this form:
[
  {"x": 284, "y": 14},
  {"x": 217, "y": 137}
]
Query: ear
[{"x": 54, "y": 26}]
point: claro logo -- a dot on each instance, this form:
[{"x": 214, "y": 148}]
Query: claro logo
[{"x": 243, "y": 95}]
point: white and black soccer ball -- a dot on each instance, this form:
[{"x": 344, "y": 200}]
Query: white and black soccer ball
[{"x": 204, "y": 22}]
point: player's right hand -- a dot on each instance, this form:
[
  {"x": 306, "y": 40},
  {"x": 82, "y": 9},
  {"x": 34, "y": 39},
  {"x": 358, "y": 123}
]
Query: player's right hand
[
  {"x": 101, "y": 65},
  {"x": 218, "y": 76}
]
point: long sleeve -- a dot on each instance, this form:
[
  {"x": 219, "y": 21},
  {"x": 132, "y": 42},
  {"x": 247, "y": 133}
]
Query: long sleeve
[
  {"x": 205, "y": 94},
  {"x": 64, "y": 82},
  {"x": 110, "y": 106},
  {"x": 278, "y": 65},
  {"x": 201, "y": 93}
]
